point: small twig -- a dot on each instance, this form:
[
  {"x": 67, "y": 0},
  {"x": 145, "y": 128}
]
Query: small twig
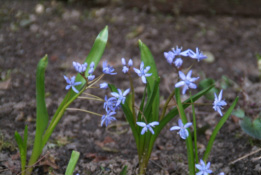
[
  {"x": 245, "y": 156},
  {"x": 256, "y": 158},
  {"x": 82, "y": 110}
]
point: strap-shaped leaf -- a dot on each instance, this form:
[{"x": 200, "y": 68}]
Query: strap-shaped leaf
[
  {"x": 148, "y": 60},
  {"x": 22, "y": 146},
  {"x": 217, "y": 128},
  {"x": 129, "y": 116},
  {"x": 42, "y": 117},
  {"x": 72, "y": 163},
  {"x": 150, "y": 103},
  {"x": 174, "y": 112},
  {"x": 190, "y": 153},
  {"x": 94, "y": 56}
]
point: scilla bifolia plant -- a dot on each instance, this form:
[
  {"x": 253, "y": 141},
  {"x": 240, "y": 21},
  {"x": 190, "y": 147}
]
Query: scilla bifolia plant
[
  {"x": 148, "y": 119},
  {"x": 76, "y": 86}
]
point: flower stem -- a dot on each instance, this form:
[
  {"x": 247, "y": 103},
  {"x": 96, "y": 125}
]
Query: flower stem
[
  {"x": 195, "y": 130},
  {"x": 132, "y": 98},
  {"x": 166, "y": 104}
]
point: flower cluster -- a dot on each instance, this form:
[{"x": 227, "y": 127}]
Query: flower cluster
[
  {"x": 80, "y": 68},
  {"x": 177, "y": 53},
  {"x": 126, "y": 67},
  {"x": 203, "y": 168}
]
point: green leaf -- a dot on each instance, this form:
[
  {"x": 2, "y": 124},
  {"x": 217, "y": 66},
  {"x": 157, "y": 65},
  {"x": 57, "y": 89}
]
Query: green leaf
[
  {"x": 239, "y": 113},
  {"x": 128, "y": 114},
  {"x": 94, "y": 56},
  {"x": 189, "y": 143},
  {"x": 41, "y": 110},
  {"x": 148, "y": 60},
  {"x": 124, "y": 171},
  {"x": 174, "y": 112},
  {"x": 205, "y": 84},
  {"x": 72, "y": 163},
  {"x": 217, "y": 128},
  {"x": 251, "y": 128},
  {"x": 150, "y": 102},
  {"x": 22, "y": 146}
]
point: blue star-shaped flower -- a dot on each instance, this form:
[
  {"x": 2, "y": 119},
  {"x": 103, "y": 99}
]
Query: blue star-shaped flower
[
  {"x": 104, "y": 85},
  {"x": 177, "y": 51},
  {"x": 107, "y": 69},
  {"x": 147, "y": 127},
  {"x": 178, "y": 62},
  {"x": 79, "y": 67},
  {"x": 110, "y": 104},
  {"x": 71, "y": 83},
  {"x": 121, "y": 97},
  {"x": 197, "y": 55},
  {"x": 108, "y": 118},
  {"x": 219, "y": 103},
  {"x": 169, "y": 56},
  {"x": 183, "y": 132},
  {"x": 203, "y": 168},
  {"x": 186, "y": 81},
  {"x": 125, "y": 68},
  {"x": 143, "y": 72},
  {"x": 91, "y": 76}
]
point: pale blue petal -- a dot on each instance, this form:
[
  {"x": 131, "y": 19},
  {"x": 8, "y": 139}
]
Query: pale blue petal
[
  {"x": 143, "y": 78},
  {"x": 192, "y": 86},
  {"x": 174, "y": 128},
  {"x": 126, "y": 92},
  {"x": 151, "y": 130},
  {"x": 75, "y": 90},
  {"x": 68, "y": 87},
  {"x": 180, "y": 123},
  {"x": 153, "y": 123},
  {"x": 143, "y": 130},
  {"x": 182, "y": 75},
  {"x": 187, "y": 125},
  {"x": 179, "y": 84},
  {"x": 142, "y": 124}
]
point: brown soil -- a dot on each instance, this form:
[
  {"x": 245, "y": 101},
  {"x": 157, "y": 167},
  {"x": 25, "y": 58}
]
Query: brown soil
[{"x": 66, "y": 33}]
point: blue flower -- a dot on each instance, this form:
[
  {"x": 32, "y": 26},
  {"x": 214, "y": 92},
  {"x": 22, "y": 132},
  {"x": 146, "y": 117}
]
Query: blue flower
[
  {"x": 187, "y": 81},
  {"x": 143, "y": 72},
  {"x": 178, "y": 62},
  {"x": 107, "y": 69},
  {"x": 219, "y": 103},
  {"x": 203, "y": 168},
  {"x": 92, "y": 64},
  {"x": 110, "y": 104},
  {"x": 197, "y": 55},
  {"x": 169, "y": 56},
  {"x": 187, "y": 53},
  {"x": 104, "y": 85},
  {"x": 79, "y": 67},
  {"x": 147, "y": 127},
  {"x": 108, "y": 118},
  {"x": 91, "y": 76},
  {"x": 125, "y": 69},
  {"x": 71, "y": 83},
  {"x": 183, "y": 132},
  {"x": 177, "y": 51},
  {"x": 121, "y": 97}
]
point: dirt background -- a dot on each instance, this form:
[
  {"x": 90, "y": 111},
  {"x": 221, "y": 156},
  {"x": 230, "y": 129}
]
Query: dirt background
[{"x": 66, "y": 32}]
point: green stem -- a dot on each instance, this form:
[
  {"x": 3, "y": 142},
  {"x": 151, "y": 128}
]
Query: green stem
[
  {"x": 166, "y": 104},
  {"x": 189, "y": 143},
  {"x": 133, "y": 98},
  {"x": 195, "y": 130}
]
